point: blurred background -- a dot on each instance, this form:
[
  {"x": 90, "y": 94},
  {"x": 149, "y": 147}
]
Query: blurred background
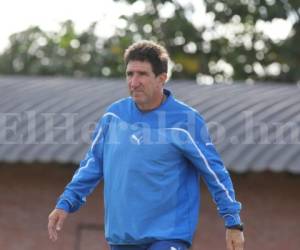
[{"x": 237, "y": 62}]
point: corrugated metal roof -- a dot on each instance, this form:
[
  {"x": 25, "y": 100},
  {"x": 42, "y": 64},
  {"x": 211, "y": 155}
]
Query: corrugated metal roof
[{"x": 255, "y": 127}]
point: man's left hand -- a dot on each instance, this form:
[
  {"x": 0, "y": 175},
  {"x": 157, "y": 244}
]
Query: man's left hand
[{"x": 234, "y": 239}]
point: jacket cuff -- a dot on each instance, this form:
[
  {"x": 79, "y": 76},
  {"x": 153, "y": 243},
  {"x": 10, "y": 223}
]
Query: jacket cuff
[
  {"x": 232, "y": 219},
  {"x": 64, "y": 205}
]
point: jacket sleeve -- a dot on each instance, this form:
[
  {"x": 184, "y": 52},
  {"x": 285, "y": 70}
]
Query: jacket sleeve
[
  {"x": 202, "y": 154},
  {"x": 88, "y": 174}
]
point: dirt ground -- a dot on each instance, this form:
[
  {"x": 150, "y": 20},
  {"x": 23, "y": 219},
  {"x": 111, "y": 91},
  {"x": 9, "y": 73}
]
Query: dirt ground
[{"x": 271, "y": 205}]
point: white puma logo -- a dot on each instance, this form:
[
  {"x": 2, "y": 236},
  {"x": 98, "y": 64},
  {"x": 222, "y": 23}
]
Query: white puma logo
[{"x": 137, "y": 140}]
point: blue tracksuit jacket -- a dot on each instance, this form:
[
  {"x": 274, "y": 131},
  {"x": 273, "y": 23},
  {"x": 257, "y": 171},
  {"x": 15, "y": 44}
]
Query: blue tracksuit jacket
[{"x": 150, "y": 163}]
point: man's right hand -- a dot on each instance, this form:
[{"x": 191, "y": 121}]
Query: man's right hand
[{"x": 55, "y": 222}]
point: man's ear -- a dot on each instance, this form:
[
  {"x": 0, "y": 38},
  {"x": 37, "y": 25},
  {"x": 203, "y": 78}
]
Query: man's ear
[{"x": 163, "y": 78}]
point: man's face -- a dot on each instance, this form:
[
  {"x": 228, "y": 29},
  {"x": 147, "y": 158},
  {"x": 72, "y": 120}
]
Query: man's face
[{"x": 145, "y": 88}]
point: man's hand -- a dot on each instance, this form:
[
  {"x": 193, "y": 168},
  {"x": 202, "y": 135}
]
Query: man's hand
[
  {"x": 55, "y": 222},
  {"x": 234, "y": 239}
]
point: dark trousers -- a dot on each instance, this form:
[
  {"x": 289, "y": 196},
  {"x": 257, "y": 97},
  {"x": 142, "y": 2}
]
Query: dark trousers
[{"x": 157, "y": 245}]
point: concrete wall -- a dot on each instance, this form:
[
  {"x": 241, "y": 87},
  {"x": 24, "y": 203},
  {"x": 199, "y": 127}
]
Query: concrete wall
[{"x": 28, "y": 193}]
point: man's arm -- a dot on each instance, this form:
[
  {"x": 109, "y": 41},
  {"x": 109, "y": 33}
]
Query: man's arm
[
  {"x": 82, "y": 184},
  {"x": 203, "y": 155}
]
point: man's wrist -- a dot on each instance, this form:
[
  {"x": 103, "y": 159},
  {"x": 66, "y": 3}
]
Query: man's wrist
[
  {"x": 232, "y": 219},
  {"x": 63, "y": 205},
  {"x": 236, "y": 227}
]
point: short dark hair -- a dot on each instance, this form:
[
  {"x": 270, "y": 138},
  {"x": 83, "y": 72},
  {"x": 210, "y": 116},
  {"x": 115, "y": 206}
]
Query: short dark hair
[{"x": 148, "y": 51}]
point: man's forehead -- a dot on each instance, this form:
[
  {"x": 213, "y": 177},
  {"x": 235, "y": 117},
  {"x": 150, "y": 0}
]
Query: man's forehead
[{"x": 139, "y": 66}]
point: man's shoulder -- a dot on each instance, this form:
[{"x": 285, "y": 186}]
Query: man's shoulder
[
  {"x": 120, "y": 105},
  {"x": 185, "y": 113},
  {"x": 184, "y": 107}
]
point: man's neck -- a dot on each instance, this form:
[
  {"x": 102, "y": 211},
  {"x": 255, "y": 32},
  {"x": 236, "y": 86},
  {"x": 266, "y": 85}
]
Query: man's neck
[{"x": 146, "y": 108}]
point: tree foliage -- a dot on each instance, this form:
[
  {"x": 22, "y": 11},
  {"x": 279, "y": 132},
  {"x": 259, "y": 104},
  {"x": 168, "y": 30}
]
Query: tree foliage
[
  {"x": 36, "y": 52},
  {"x": 255, "y": 55},
  {"x": 231, "y": 48}
]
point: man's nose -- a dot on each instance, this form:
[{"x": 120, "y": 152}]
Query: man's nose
[{"x": 134, "y": 81}]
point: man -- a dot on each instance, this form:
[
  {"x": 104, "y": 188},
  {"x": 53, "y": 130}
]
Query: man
[{"x": 150, "y": 150}]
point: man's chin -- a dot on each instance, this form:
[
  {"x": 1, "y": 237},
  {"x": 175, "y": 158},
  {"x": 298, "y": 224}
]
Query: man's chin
[{"x": 137, "y": 99}]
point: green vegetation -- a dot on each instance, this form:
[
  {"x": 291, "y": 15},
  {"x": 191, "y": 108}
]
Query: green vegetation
[{"x": 231, "y": 48}]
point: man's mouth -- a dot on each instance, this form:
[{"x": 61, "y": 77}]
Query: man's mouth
[{"x": 136, "y": 92}]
